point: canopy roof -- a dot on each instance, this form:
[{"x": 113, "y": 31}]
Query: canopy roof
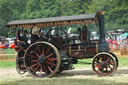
[{"x": 53, "y": 21}]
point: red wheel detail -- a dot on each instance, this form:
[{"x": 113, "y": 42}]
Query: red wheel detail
[
  {"x": 34, "y": 61},
  {"x": 40, "y": 73},
  {"x": 43, "y": 61},
  {"x": 51, "y": 59},
  {"x": 45, "y": 70},
  {"x": 33, "y": 65},
  {"x": 43, "y": 51},
  {"x": 104, "y": 58},
  {"x": 32, "y": 56},
  {"x": 49, "y": 55},
  {"x": 98, "y": 66},
  {"x": 47, "y": 50},
  {"x": 111, "y": 63},
  {"x": 102, "y": 72},
  {"x": 37, "y": 68},
  {"x": 38, "y": 49},
  {"x": 51, "y": 63},
  {"x": 50, "y": 69},
  {"x": 107, "y": 61},
  {"x": 104, "y": 64},
  {"x": 37, "y": 55}
]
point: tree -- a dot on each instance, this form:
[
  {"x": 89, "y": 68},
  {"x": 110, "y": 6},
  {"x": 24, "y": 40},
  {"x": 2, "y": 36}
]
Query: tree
[
  {"x": 10, "y": 10},
  {"x": 116, "y": 16}
]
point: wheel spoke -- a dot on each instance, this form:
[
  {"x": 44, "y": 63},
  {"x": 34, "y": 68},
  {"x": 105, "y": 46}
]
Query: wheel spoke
[
  {"x": 50, "y": 69},
  {"x": 32, "y": 56},
  {"x": 45, "y": 70},
  {"x": 34, "y": 61},
  {"x": 40, "y": 72},
  {"x": 104, "y": 57},
  {"x": 47, "y": 50},
  {"x": 36, "y": 54},
  {"x": 107, "y": 60},
  {"x": 102, "y": 71},
  {"x": 51, "y": 59},
  {"x": 51, "y": 63},
  {"x": 49, "y": 55},
  {"x": 43, "y": 51},
  {"x": 33, "y": 65},
  {"x": 37, "y": 68},
  {"x": 38, "y": 49}
]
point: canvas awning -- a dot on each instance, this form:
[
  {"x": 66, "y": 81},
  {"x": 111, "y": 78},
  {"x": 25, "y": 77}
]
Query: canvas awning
[{"x": 53, "y": 21}]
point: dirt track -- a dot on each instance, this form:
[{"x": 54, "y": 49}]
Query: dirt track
[{"x": 121, "y": 75}]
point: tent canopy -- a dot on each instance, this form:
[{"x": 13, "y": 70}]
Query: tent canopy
[{"x": 122, "y": 36}]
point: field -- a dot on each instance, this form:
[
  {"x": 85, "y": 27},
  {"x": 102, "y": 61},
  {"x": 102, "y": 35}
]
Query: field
[{"x": 82, "y": 75}]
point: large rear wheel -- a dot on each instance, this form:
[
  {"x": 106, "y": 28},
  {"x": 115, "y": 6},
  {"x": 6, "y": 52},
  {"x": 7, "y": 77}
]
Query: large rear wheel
[{"x": 42, "y": 59}]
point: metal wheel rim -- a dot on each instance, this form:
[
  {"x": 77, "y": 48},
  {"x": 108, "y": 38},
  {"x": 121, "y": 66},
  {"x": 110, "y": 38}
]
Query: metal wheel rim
[
  {"x": 43, "y": 67},
  {"x": 103, "y": 73},
  {"x": 116, "y": 59},
  {"x": 20, "y": 71}
]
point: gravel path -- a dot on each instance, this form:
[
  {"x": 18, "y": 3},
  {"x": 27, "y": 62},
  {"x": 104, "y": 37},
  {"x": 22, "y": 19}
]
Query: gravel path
[{"x": 121, "y": 75}]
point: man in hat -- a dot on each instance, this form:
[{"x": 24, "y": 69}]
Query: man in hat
[{"x": 35, "y": 34}]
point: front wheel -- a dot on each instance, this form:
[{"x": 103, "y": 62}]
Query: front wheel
[
  {"x": 42, "y": 59},
  {"x": 104, "y": 64}
]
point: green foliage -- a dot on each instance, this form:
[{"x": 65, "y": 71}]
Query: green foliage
[{"x": 116, "y": 11}]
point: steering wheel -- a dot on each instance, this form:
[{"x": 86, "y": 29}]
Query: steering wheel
[{"x": 57, "y": 32}]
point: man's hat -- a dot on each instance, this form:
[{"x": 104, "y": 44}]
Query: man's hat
[{"x": 35, "y": 29}]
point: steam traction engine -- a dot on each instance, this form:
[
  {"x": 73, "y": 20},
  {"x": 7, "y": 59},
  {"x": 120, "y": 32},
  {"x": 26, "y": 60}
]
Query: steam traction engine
[{"x": 57, "y": 53}]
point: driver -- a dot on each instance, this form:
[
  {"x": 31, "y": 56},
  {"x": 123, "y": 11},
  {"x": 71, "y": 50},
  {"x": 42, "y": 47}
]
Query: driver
[{"x": 35, "y": 34}]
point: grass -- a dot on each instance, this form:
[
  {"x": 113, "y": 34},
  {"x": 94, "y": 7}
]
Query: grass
[
  {"x": 62, "y": 81},
  {"x": 123, "y": 62},
  {"x": 6, "y": 64},
  {"x": 84, "y": 63},
  {"x": 70, "y": 80},
  {"x": 10, "y": 51}
]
